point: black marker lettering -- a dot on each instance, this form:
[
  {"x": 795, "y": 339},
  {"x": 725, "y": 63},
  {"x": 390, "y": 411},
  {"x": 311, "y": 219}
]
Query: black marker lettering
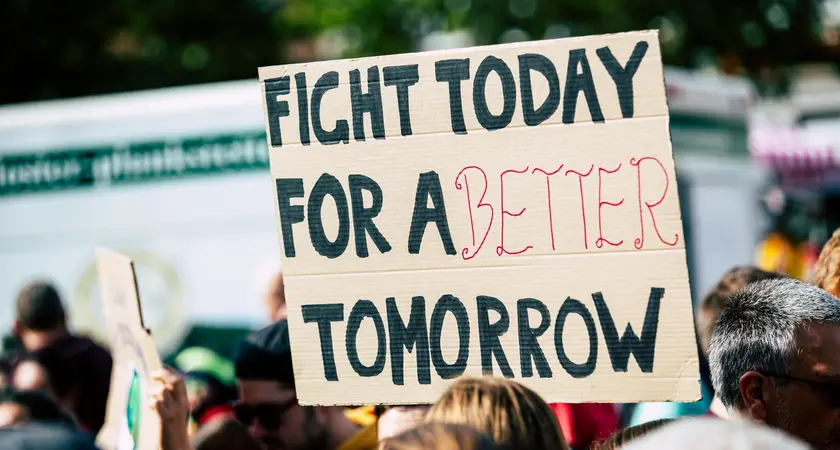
[
  {"x": 454, "y": 71},
  {"x": 412, "y": 336},
  {"x": 487, "y": 120},
  {"x": 324, "y": 315},
  {"x": 620, "y": 349},
  {"x": 341, "y": 132},
  {"x": 303, "y": 107},
  {"x": 572, "y": 306},
  {"x": 361, "y": 310},
  {"x": 449, "y": 303},
  {"x": 363, "y": 217},
  {"x": 576, "y": 82},
  {"x": 288, "y": 188},
  {"x": 367, "y": 103},
  {"x": 328, "y": 185},
  {"x": 543, "y": 65},
  {"x": 276, "y": 108},
  {"x": 428, "y": 185},
  {"x": 402, "y": 77},
  {"x": 529, "y": 347},
  {"x": 623, "y": 76},
  {"x": 489, "y": 334}
]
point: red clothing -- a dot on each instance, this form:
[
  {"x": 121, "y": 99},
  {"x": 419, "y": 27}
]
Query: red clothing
[
  {"x": 585, "y": 423},
  {"x": 216, "y": 412}
]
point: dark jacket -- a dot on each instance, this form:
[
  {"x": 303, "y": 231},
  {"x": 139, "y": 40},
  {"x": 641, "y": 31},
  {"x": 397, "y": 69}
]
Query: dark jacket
[{"x": 80, "y": 371}]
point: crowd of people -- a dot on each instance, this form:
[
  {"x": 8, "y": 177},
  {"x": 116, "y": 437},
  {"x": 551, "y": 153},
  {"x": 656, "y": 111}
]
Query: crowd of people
[{"x": 770, "y": 376}]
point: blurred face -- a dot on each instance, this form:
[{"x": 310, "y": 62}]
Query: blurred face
[
  {"x": 12, "y": 414},
  {"x": 29, "y": 375},
  {"x": 806, "y": 404},
  {"x": 396, "y": 420},
  {"x": 274, "y": 418},
  {"x": 197, "y": 390},
  {"x": 275, "y": 299}
]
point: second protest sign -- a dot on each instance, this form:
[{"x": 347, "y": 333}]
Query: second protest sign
[{"x": 507, "y": 210}]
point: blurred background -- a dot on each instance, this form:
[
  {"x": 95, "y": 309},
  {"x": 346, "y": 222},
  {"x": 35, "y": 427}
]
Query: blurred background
[{"x": 138, "y": 125}]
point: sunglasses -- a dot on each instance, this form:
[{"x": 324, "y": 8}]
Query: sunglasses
[
  {"x": 830, "y": 389},
  {"x": 268, "y": 415}
]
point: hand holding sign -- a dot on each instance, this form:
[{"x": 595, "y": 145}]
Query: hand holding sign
[
  {"x": 507, "y": 210},
  {"x": 169, "y": 399}
]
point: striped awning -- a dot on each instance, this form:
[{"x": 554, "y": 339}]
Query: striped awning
[{"x": 798, "y": 154}]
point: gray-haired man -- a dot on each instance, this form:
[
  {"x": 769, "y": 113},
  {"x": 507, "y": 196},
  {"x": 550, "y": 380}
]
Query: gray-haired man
[{"x": 775, "y": 358}]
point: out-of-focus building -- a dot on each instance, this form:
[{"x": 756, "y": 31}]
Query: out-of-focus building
[{"x": 797, "y": 138}]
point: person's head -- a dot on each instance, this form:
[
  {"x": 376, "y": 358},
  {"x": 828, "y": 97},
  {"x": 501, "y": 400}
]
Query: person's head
[
  {"x": 774, "y": 358},
  {"x": 731, "y": 282},
  {"x": 210, "y": 380},
  {"x": 275, "y": 298},
  {"x": 268, "y": 401},
  {"x": 18, "y": 407},
  {"x": 29, "y": 374},
  {"x": 715, "y": 434},
  {"x": 440, "y": 436},
  {"x": 47, "y": 372},
  {"x": 393, "y": 420},
  {"x": 827, "y": 270},
  {"x": 507, "y": 411},
  {"x": 227, "y": 434},
  {"x": 622, "y": 437},
  {"x": 39, "y": 311}
]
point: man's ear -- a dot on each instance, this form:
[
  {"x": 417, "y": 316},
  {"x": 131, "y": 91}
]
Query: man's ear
[{"x": 754, "y": 388}]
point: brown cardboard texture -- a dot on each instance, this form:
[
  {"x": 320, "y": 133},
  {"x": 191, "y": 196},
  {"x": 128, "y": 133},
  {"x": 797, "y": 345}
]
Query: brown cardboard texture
[
  {"x": 131, "y": 347},
  {"x": 508, "y": 210}
]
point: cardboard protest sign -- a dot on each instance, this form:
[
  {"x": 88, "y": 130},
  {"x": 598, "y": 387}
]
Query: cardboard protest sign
[
  {"x": 508, "y": 210},
  {"x": 132, "y": 349}
]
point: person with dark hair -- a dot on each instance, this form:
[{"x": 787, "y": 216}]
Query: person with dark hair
[
  {"x": 225, "y": 434},
  {"x": 78, "y": 370},
  {"x": 211, "y": 384},
  {"x": 621, "y": 437},
  {"x": 773, "y": 358},
  {"x": 268, "y": 402},
  {"x": 17, "y": 407}
]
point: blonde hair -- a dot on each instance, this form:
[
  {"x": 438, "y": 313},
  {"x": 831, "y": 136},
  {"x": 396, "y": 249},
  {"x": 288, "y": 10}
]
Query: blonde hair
[
  {"x": 440, "y": 436},
  {"x": 827, "y": 270},
  {"x": 507, "y": 411}
]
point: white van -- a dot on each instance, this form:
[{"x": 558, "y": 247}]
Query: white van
[{"x": 178, "y": 179}]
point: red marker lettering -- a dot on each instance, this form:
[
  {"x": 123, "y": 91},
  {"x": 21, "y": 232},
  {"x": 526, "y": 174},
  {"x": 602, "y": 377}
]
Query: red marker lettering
[
  {"x": 640, "y": 242},
  {"x": 465, "y": 252},
  {"x": 548, "y": 194},
  {"x": 600, "y": 241},
  {"x": 501, "y": 250},
  {"x": 582, "y": 203}
]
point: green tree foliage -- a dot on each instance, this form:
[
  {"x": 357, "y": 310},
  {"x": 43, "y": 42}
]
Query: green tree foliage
[{"x": 55, "y": 49}]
